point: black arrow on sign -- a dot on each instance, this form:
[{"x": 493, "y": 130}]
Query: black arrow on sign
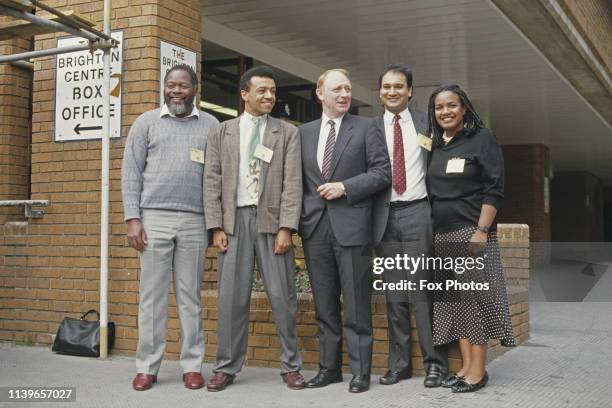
[{"x": 78, "y": 128}]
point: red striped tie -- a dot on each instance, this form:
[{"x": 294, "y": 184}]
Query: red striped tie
[
  {"x": 399, "y": 167},
  {"x": 329, "y": 150}
]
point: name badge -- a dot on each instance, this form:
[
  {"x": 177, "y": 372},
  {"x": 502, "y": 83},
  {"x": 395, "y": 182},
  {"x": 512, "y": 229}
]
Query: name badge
[
  {"x": 263, "y": 153},
  {"x": 455, "y": 166},
  {"x": 197, "y": 155},
  {"x": 424, "y": 142}
]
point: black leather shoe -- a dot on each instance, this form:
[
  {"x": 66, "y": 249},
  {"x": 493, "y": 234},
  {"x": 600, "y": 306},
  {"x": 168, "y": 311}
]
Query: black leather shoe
[
  {"x": 449, "y": 382},
  {"x": 325, "y": 377},
  {"x": 359, "y": 383},
  {"x": 464, "y": 386},
  {"x": 393, "y": 377},
  {"x": 434, "y": 377}
]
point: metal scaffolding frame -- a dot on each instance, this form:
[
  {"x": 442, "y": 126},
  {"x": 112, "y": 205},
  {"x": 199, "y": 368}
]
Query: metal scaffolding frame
[
  {"x": 75, "y": 25},
  {"x": 27, "y": 205}
]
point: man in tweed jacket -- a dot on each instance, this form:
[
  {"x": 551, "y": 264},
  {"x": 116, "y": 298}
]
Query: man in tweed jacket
[{"x": 252, "y": 200}]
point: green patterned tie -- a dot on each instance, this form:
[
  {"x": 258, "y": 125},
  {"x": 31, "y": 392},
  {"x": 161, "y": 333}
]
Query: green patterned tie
[{"x": 255, "y": 138}]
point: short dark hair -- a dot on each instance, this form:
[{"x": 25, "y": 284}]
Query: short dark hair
[
  {"x": 471, "y": 120},
  {"x": 399, "y": 68},
  {"x": 184, "y": 67},
  {"x": 258, "y": 71}
]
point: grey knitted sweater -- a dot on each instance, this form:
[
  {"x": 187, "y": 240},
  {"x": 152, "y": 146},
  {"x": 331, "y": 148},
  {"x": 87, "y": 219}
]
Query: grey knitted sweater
[{"x": 157, "y": 171}]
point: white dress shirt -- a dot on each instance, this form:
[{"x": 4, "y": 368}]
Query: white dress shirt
[
  {"x": 323, "y": 135},
  {"x": 415, "y": 158},
  {"x": 248, "y": 174}
]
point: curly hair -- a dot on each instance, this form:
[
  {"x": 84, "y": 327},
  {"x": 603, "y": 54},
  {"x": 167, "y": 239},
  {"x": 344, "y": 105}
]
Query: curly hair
[{"x": 471, "y": 120}]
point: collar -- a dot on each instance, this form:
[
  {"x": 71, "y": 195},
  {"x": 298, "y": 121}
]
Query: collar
[
  {"x": 166, "y": 112},
  {"x": 405, "y": 116},
  {"x": 337, "y": 121},
  {"x": 249, "y": 118}
]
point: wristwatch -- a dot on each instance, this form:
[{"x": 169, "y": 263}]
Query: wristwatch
[{"x": 483, "y": 229}]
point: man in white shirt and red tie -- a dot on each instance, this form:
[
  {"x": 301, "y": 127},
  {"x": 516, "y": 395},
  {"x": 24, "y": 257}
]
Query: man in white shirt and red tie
[{"x": 402, "y": 225}]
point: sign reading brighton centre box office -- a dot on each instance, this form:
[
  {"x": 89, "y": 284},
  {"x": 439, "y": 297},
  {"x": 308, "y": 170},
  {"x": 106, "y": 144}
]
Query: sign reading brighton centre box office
[
  {"x": 171, "y": 55},
  {"x": 79, "y": 107}
]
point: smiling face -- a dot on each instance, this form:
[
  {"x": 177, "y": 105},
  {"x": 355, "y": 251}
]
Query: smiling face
[
  {"x": 449, "y": 112},
  {"x": 395, "y": 92},
  {"x": 179, "y": 92},
  {"x": 260, "y": 96},
  {"x": 335, "y": 94}
]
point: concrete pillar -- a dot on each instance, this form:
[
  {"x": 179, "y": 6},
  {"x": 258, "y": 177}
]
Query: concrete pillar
[{"x": 527, "y": 194}]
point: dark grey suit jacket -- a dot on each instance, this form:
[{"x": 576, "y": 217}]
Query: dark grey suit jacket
[
  {"x": 381, "y": 201},
  {"x": 361, "y": 162}
]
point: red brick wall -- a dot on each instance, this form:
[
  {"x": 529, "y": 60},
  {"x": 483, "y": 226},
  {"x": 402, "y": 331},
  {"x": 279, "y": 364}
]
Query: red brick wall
[
  {"x": 15, "y": 87},
  {"x": 52, "y": 264},
  {"x": 526, "y": 166},
  {"x": 264, "y": 346}
]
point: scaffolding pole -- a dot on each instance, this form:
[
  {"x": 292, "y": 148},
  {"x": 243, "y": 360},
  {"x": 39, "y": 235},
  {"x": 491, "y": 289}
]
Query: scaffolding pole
[
  {"x": 57, "y": 26},
  {"x": 72, "y": 21},
  {"x": 105, "y": 192},
  {"x": 43, "y": 53}
]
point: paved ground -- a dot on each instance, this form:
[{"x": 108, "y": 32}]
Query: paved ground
[{"x": 566, "y": 363}]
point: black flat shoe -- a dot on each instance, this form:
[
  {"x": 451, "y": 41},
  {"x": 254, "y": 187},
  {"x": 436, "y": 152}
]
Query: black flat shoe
[
  {"x": 359, "y": 383},
  {"x": 434, "y": 377},
  {"x": 464, "y": 386},
  {"x": 325, "y": 377},
  {"x": 393, "y": 377},
  {"x": 449, "y": 382}
]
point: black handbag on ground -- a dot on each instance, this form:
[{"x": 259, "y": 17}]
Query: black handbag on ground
[{"x": 80, "y": 337}]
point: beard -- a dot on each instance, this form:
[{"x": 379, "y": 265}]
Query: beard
[{"x": 179, "y": 108}]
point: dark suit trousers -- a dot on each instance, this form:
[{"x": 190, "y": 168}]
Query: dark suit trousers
[
  {"x": 333, "y": 270},
  {"x": 409, "y": 231}
]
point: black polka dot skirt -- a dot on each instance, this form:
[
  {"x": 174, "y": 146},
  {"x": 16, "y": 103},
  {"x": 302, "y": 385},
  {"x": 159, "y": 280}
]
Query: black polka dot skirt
[{"x": 473, "y": 302}]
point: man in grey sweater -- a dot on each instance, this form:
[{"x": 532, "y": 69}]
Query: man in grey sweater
[{"x": 161, "y": 184}]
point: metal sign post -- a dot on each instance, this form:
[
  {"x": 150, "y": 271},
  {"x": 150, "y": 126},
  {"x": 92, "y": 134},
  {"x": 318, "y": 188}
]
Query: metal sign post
[{"x": 105, "y": 190}]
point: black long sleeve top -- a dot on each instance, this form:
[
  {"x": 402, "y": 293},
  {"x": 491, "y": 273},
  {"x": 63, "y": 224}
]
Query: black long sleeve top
[{"x": 457, "y": 198}]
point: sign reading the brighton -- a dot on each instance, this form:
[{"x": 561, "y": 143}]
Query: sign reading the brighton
[
  {"x": 171, "y": 55},
  {"x": 78, "y": 92}
]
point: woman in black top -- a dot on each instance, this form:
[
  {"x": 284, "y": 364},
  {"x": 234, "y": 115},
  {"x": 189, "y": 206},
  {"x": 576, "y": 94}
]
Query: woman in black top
[{"x": 465, "y": 181}]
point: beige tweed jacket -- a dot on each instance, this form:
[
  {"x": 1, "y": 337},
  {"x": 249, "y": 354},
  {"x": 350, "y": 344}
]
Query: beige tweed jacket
[{"x": 280, "y": 188}]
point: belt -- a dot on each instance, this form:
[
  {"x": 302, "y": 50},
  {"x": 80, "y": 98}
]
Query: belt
[
  {"x": 249, "y": 206},
  {"x": 402, "y": 204}
]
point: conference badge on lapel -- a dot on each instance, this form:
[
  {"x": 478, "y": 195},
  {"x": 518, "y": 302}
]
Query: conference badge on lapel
[
  {"x": 424, "y": 142},
  {"x": 263, "y": 153}
]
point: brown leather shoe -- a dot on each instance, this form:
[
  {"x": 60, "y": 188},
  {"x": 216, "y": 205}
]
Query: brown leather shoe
[
  {"x": 294, "y": 380},
  {"x": 219, "y": 382},
  {"x": 193, "y": 380},
  {"x": 143, "y": 382}
]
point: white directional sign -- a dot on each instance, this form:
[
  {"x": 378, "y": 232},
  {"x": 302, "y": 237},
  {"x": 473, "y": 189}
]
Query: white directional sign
[
  {"x": 171, "y": 55},
  {"x": 78, "y": 92}
]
